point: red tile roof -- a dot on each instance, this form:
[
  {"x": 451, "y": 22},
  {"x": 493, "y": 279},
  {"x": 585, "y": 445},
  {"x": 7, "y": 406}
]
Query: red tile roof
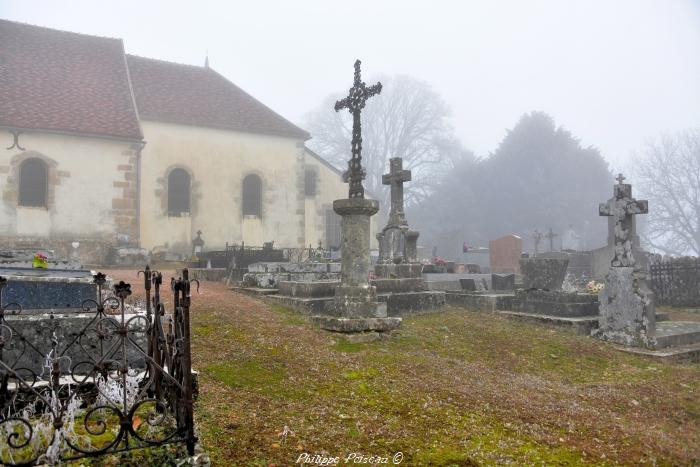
[
  {"x": 199, "y": 96},
  {"x": 63, "y": 81}
]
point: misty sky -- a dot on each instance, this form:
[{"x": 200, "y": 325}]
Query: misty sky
[{"x": 613, "y": 72}]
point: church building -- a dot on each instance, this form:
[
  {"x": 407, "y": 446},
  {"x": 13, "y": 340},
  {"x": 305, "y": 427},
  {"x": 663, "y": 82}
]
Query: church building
[{"x": 109, "y": 149}]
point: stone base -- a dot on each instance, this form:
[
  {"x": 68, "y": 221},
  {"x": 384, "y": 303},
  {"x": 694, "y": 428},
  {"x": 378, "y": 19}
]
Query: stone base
[
  {"x": 555, "y": 303},
  {"x": 397, "y": 271},
  {"x": 582, "y": 326},
  {"x": 397, "y": 304},
  {"x": 353, "y": 325},
  {"x": 307, "y": 289},
  {"x": 399, "y": 285},
  {"x": 627, "y": 313},
  {"x": 480, "y": 301}
]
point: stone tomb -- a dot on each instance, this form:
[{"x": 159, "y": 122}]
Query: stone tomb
[
  {"x": 477, "y": 295},
  {"x": 541, "y": 299},
  {"x": 55, "y": 303}
]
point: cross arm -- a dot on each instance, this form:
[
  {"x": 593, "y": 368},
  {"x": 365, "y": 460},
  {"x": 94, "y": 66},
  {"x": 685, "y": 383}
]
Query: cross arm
[
  {"x": 342, "y": 104},
  {"x": 374, "y": 90}
]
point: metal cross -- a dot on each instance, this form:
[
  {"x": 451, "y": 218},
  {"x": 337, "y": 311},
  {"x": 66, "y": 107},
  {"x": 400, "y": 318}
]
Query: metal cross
[
  {"x": 355, "y": 102},
  {"x": 620, "y": 178},
  {"x": 396, "y": 177}
]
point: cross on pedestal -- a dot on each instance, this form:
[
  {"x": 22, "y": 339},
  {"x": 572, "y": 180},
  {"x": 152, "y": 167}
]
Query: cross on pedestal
[
  {"x": 355, "y": 102},
  {"x": 396, "y": 178},
  {"x": 621, "y": 207},
  {"x": 620, "y": 178},
  {"x": 537, "y": 236},
  {"x": 551, "y": 236}
]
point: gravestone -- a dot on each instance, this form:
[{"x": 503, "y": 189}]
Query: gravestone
[
  {"x": 627, "y": 311},
  {"x": 355, "y": 307},
  {"x": 392, "y": 238},
  {"x": 505, "y": 253},
  {"x": 543, "y": 273},
  {"x": 536, "y": 240},
  {"x": 505, "y": 282}
]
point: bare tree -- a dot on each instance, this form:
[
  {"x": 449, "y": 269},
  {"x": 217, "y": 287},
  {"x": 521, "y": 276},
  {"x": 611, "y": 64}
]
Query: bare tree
[
  {"x": 668, "y": 172},
  {"x": 408, "y": 119}
]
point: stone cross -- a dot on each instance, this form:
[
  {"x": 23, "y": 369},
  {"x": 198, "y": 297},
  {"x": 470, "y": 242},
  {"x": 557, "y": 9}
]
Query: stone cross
[
  {"x": 551, "y": 236},
  {"x": 537, "y": 236},
  {"x": 355, "y": 102},
  {"x": 396, "y": 178},
  {"x": 621, "y": 207}
]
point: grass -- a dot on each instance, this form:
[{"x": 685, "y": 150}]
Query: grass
[{"x": 454, "y": 388}]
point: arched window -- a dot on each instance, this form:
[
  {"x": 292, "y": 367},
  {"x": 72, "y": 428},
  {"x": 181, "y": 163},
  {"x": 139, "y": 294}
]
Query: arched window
[
  {"x": 178, "y": 192},
  {"x": 252, "y": 196},
  {"x": 33, "y": 183}
]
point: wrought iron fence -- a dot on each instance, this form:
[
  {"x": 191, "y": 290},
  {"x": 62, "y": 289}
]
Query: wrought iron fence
[
  {"x": 131, "y": 389},
  {"x": 676, "y": 281}
]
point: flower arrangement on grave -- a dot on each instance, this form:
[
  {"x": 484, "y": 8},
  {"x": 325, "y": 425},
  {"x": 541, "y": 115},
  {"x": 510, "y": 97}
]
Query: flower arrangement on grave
[
  {"x": 40, "y": 261},
  {"x": 439, "y": 261},
  {"x": 594, "y": 287}
]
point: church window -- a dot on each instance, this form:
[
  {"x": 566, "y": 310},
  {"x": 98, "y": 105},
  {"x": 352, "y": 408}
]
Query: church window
[
  {"x": 178, "y": 192},
  {"x": 332, "y": 229},
  {"x": 310, "y": 183},
  {"x": 252, "y": 196},
  {"x": 33, "y": 183}
]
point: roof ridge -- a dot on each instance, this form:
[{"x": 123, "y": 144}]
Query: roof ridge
[
  {"x": 62, "y": 31},
  {"x": 169, "y": 62},
  {"x": 307, "y": 134}
]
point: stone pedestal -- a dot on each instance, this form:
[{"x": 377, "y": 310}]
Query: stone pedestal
[
  {"x": 412, "y": 246},
  {"x": 627, "y": 312},
  {"x": 355, "y": 307}
]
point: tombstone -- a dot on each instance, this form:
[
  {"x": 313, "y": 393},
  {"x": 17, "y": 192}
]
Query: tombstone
[
  {"x": 505, "y": 253},
  {"x": 543, "y": 273},
  {"x": 505, "y": 282},
  {"x": 392, "y": 239},
  {"x": 468, "y": 284},
  {"x": 355, "y": 307},
  {"x": 627, "y": 311}
]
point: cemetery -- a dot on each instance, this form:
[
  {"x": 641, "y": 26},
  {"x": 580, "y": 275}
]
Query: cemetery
[{"x": 323, "y": 328}]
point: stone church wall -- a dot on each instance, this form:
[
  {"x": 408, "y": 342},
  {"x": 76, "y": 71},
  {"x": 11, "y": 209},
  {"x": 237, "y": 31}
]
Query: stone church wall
[
  {"x": 218, "y": 161},
  {"x": 91, "y": 194}
]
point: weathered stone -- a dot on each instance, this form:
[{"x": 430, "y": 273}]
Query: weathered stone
[
  {"x": 397, "y": 271},
  {"x": 627, "y": 312},
  {"x": 503, "y": 282},
  {"x": 480, "y": 301},
  {"x": 307, "y": 289},
  {"x": 405, "y": 284},
  {"x": 352, "y": 325},
  {"x": 41, "y": 289},
  {"x": 622, "y": 207},
  {"x": 468, "y": 284},
  {"x": 543, "y": 273},
  {"x": 555, "y": 303},
  {"x": 412, "y": 246}
]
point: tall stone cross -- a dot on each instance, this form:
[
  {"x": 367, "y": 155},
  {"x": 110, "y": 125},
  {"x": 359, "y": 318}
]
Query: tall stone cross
[
  {"x": 537, "y": 236},
  {"x": 621, "y": 207},
  {"x": 551, "y": 236},
  {"x": 396, "y": 178},
  {"x": 355, "y": 102}
]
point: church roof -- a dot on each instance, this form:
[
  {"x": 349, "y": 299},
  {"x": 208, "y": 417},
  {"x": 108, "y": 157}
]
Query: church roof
[
  {"x": 194, "y": 95},
  {"x": 63, "y": 81},
  {"x": 68, "y": 82}
]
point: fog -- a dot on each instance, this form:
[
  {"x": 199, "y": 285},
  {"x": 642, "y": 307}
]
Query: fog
[{"x": 613, "y": 73}]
